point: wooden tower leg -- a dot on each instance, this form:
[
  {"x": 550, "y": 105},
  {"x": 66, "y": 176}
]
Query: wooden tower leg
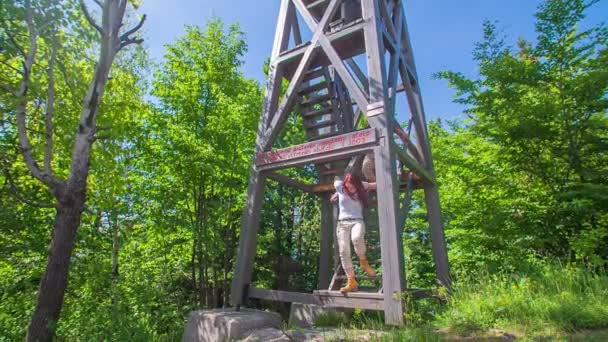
[
  {"x": 440, "y": 254},
  {"x": 393, "y": 281},
  {"x": 248, "y": 238},
  {"x": 251, "y": 214}
]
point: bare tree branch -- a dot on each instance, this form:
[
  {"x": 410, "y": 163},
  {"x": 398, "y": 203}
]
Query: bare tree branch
[
  {"x": 50, "y": 103},
  {"x": 12, "y": 38},
  {"x": 129, "y": 42},
  {"x": 89, "y": 18},
  {"x": 26, "y": 148},
  {"x": 20, "y": 197},
  {"x": 98, "y": 3},
  {"x": 125, "y": 36}
]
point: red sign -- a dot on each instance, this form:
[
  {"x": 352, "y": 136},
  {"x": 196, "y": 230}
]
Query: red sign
[{"x": 317, "y": 147}]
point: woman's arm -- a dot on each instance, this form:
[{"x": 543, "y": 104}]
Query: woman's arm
[{"x": 369, "y": 186}]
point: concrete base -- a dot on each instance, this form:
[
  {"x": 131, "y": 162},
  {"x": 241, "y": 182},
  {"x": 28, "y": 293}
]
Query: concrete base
[
  {"x": 227, "y": 324},
  {"x": 304, "y": 315}
]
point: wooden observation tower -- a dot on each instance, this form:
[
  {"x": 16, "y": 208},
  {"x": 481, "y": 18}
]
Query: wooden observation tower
[{"x": 357, "y": 63}]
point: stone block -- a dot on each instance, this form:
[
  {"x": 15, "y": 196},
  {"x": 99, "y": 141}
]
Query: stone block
[
  {"x": 304, "y": 315},
  {"x": 227, "y": 324}
]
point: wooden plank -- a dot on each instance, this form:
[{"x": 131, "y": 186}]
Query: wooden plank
[
  {"x": 318, "y": 147},
  {"x": 296, "y": 184},
  {"x": 361, "y": 300},
  {"x": 283, "y": 296}
]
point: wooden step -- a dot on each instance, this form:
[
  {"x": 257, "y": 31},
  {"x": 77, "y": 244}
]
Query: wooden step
[
  {"x": 313, "y": 88},
  {"x": 320, "y": 124},
  {"x": 315, "y": 100},
  {"x": 322, "y": 111},
  {"x": 311, "y": 75}
]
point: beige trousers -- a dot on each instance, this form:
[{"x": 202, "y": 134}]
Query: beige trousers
[{"x": 351, "y": 230}]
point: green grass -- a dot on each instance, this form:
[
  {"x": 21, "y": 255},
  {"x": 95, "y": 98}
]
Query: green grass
[
  {"x": 544, "y": 302},
  {"x": 549, "y": 301}
]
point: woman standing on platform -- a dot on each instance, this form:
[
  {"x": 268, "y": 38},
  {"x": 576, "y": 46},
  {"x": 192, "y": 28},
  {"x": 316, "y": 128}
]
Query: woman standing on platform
[{"x": 351, "y": 195}]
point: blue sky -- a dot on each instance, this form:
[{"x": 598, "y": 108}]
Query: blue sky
[{"x": 443, "y": 33}]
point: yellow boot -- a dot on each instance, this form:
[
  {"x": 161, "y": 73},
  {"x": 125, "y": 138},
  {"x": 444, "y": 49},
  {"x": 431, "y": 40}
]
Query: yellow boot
[
  {"x": 351, "y": 285},
  {"x": 366, "y": 267}
]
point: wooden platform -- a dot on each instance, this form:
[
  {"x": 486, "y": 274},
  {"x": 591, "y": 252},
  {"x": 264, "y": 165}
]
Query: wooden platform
[{"x": 360, "y": 299}]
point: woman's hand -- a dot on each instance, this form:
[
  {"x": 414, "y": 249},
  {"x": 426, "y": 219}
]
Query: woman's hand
[{"x": 334, "y": 197}]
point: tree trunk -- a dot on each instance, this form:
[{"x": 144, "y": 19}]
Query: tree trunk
[{"x": 55, "y": 280}]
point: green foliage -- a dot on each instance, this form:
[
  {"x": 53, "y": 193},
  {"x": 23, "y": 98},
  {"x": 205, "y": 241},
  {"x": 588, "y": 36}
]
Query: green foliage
[
  {"x": 535, "y": 141},
  {"x": 525, "y": 176},
  {"x": 546, "y": 300}
]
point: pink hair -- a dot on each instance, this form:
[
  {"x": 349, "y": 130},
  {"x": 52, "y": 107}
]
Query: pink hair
[{"x": 359, "y": 194}]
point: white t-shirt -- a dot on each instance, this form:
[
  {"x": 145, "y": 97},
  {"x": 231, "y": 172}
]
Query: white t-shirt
[{"x": 349, "y": 208}]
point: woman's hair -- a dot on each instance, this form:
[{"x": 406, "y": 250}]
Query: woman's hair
[{"x": 359, "y": 194}]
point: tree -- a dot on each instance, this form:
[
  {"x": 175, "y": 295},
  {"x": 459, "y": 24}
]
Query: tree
[
  {"x": 204, "y": 132},
  {"x": 47, "y": 23},
  {"x": 544, "y": 105}
]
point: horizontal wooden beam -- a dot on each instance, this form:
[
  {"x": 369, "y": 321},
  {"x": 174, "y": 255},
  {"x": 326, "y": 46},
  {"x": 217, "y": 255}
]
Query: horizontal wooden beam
[
  {"x": 290, "y": 181},
  {"x": 362, "y": 300},
  {"x": 318, "y": 151},
  {"x": 318, "y": 188},
  {"x": 413, "y": 165},
  {"x": 283, "y": 296}
]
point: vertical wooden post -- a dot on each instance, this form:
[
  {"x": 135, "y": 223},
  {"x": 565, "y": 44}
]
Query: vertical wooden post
[
  {"x": 393, "y": 281},
  {"x": 326, "y": 258},
  {"x": 248, "y": 238}
]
